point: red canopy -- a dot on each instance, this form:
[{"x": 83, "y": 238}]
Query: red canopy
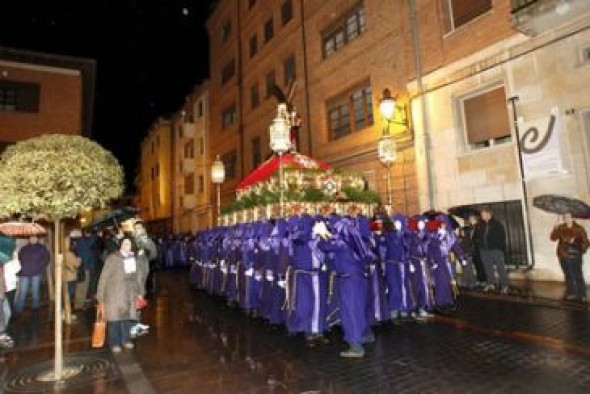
[{"x": 269, "y": 167}]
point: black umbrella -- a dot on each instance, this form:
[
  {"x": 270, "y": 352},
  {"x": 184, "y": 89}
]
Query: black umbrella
[
  {"x": 432, "y": 214},
  {"x": 464, "y": 211},
  {"x": 113, "y": 218},
  {"x": 560, "y": 205}
]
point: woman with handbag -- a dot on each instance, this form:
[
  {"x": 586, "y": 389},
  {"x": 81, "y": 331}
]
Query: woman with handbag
[
  {"x": 120, "y": 288},
  {"x": 571, "y": 246}
]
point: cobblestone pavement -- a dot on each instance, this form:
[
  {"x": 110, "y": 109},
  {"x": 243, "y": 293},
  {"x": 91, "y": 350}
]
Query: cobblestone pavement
[
  {"x": 197, "y": 344},
  {"x": 485, "y": 346}
]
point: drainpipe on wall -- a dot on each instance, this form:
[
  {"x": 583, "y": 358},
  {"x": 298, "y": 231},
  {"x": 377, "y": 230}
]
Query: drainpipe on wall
[
  {"x": 415, "y": 32},
  {"x": 239, "y": 103},
  {"x": 525, "y": 203},
  {"x": 306, "y": 81}
]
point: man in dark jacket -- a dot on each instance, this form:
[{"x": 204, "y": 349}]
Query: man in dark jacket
[
  {"x": 33, "y": 258},
  {"x": 492, "y": 246}
]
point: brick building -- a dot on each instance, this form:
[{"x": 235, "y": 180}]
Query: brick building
[
  {"x": 44, "y": 93},
  {"x": 336, "y": 58}
]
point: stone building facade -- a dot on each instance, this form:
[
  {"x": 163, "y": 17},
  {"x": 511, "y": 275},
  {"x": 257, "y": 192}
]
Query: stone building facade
[{"x": 475, "y": 136}]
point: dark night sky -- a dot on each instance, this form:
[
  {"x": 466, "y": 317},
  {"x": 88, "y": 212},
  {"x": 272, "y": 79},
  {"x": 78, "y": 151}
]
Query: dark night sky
[{"x": 149, "y": 53}]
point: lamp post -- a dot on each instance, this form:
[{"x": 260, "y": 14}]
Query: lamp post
[
  {"x": 386, "y": 146},
  {"x": 218, "y": 176},
  {"x": 280, "y": 143}
]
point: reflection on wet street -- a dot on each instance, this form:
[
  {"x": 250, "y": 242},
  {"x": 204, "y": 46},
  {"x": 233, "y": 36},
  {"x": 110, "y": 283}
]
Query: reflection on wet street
[
  {"x": 201, "y": 345},
  {"x": 197, "y": 344}
]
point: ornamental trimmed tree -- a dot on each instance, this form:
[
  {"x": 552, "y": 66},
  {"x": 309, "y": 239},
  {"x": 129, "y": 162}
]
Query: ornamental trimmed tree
[{"x": 53, "y": 177}]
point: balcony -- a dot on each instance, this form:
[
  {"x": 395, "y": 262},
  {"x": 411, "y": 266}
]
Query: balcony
[
  {"x": 188, "y": 166},
  {"x": 188, "y": 130},
  {"x": 533, "y": 17}
]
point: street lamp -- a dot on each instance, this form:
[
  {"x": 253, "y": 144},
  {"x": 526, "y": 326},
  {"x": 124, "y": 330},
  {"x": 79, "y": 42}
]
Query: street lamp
[
  {"x": 386, "y": 146},
  {"x": 218, "y": 176},
  {"x": 280, "y": 143},
  {"x": 387, "y": 151}
]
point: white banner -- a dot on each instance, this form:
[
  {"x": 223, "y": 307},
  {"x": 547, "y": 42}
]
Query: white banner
[{"x": 540, "y": 146}]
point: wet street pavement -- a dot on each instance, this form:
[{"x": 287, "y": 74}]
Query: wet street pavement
[{"x": 200, "y": 345}]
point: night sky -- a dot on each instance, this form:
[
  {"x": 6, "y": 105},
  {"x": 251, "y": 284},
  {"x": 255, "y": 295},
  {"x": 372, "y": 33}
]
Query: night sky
[{"x": 149, "y": 53}]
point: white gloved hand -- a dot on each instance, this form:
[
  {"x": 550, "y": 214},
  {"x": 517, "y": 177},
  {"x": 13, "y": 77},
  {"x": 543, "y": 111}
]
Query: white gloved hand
[
  {"x": 464, "y": 263},
  {"x": 435, "y": 266},
  {"x": 319, "y": 228},
  {"x": 282, "y": 283},
  {"x": 412, "y": 268}
]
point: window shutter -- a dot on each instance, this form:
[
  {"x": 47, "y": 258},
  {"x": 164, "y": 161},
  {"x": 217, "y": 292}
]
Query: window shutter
[{"x": 486, "y": 116}]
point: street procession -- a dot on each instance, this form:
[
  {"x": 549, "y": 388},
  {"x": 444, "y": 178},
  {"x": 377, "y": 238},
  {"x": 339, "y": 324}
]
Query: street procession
[{"x": 295, "y": 196}]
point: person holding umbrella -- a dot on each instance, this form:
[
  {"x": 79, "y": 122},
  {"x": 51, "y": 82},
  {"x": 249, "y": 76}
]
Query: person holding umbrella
[{"x": 572, "y": 243}]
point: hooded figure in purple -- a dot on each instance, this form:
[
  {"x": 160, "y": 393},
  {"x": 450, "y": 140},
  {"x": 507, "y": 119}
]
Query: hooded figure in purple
[
  {"x": 250, "y": 283},
  {"x": 350, "y": 259},
  {"x": 196, "y": 271},
  {"x": 394, "y": 247},
  {"x": 306, "y": 282},
  {"x": 442, "y": 243},
  {"x": 419, "y": 267},
  {"x": 377, "y": 303},
  {"x": 264, "y": 267},
  {"x": 235, "y": 256}
]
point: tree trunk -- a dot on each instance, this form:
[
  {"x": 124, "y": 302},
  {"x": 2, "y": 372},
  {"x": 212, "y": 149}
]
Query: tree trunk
[
  {"x": 66, "y": 295},
  {"x": 58, "y": 357}
]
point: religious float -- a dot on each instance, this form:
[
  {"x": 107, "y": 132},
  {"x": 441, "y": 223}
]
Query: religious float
[{"x": 290, "y": 183}]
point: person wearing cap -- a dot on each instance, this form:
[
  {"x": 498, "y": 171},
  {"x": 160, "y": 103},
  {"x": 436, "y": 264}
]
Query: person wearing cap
[{"x": 572, "y": 243}]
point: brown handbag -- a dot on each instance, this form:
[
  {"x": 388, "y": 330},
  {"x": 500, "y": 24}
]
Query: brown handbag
[{"x": 98, "y": 330}]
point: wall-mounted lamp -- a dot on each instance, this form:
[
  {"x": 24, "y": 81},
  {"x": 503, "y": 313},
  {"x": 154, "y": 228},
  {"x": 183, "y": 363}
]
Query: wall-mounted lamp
[{"x": 389, "y": 108}]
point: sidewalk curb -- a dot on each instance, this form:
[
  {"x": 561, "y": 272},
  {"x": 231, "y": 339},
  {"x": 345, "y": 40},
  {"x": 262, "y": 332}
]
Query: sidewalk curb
[{"x": 529, "y": 300}]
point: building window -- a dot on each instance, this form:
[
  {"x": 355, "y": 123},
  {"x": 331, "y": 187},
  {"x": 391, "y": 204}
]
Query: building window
[
  {"x": 286, "y": 11},
  {"x": 230, "y": 161},
  {"x": 19, "y": 96},
  {"x": 189, "y": 184},
  {"x": 251, "y": 3},
  {"x": 344, "y": 30},
  {"x": 157, "y": 141},
  {"x": 254, "y": 96},
  {"x": 189, "y": 149},
  {"x": 289, "y": 69},
  {"x": 157, "y": 169},
  {"x": 253, "y": 45},
  {"x": 268, "y": 30},
  {"x": 201, "y": 146},
  {"x": 350, "y": 111},
  {"x": 201, "y": 184},
  {"x": 269, "y": 83},
  {"x": 228, "y": 71},
  {"x": 226, "y": 31},
  {"x": 200, "y": 109},
  {"x": 256, "y": 154},
  {"x": 456, "y": 13},
  {"x": 485, "y": 118},
  {"x": 229, "y": 116}
]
